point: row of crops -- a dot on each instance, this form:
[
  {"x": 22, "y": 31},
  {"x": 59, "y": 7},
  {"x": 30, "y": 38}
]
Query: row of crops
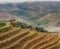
[
  {"x": 23, "y": 38},
  {"x": 28, "y": 39}
]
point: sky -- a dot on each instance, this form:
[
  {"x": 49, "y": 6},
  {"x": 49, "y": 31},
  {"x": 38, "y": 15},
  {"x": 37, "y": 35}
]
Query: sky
[{"x": 4, "y": 1}]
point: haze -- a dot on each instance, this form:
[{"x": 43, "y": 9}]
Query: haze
[{"x": 13, "y": 1}]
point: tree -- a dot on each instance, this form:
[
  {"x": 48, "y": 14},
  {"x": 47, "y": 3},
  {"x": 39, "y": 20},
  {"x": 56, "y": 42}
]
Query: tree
[
  {"x": 40, "y": 29},
  {"x": 2, "y": 23},
  {"x": 21, "y": 24},
  {"x": 18, "y": 24}
]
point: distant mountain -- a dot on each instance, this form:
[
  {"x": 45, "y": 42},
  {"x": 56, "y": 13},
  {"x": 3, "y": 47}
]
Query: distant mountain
[
  {"x": 50, "y": 19},
  {"x": 4, "y": 16},
  {"x": 37, "y": 13},
  {"x": 8, "y": 17}
]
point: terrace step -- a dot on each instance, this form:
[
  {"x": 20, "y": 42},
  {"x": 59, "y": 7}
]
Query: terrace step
[
  {"x": 24, "y": 40},
  {"x": 9, "y": 34},
  {"x": 14, "y": 40},
  {"x": 34, "y": 40},
  {"x": 49, "y": 43},
  {"x": 55, "y": 46},
  {"x": 13, "y": 29},
  {"x": 5, "y": 28},
  {"x": 17, "y": 38},
  {"x": 44, "y": 40}
]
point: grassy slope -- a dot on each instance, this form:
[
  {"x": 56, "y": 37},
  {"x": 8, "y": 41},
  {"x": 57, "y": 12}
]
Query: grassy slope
[{"x": 6, "y": 26}]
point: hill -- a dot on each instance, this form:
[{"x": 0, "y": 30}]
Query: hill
[
  {"x": 17, "y": 38},
  {"x": 34, "y": 11},
  {"x": 50, "y": 20}
]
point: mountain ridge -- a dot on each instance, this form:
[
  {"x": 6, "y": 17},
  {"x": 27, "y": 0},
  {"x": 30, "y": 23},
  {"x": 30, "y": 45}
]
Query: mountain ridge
[{"x": 36, "y": 13}]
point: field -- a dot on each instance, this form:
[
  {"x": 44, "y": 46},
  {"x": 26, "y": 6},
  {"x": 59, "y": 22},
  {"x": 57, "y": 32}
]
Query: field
[{"x": 17, "y": 38}]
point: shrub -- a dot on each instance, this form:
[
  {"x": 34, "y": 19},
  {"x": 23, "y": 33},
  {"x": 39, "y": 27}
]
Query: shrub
[
  {"x": 21, "y": 24},
  {"x": 40, "y": 29},
  {"x": 2, "y": 24}
]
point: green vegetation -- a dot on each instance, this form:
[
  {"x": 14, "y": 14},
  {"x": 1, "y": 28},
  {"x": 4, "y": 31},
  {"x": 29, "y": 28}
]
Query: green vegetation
[
  {"x": 21, "y": 24},
  {"x": 5, "y": 28},
  {"x": 40, "y": 29},
  {"x": 16, "y": 38},
  {"x": 24, "y": 25},
  {"x": 2, "y": 23},
  {"x": 11, "y": 37}
]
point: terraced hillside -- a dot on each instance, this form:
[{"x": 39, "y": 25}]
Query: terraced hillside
[{"x": 17, "y": 38}]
